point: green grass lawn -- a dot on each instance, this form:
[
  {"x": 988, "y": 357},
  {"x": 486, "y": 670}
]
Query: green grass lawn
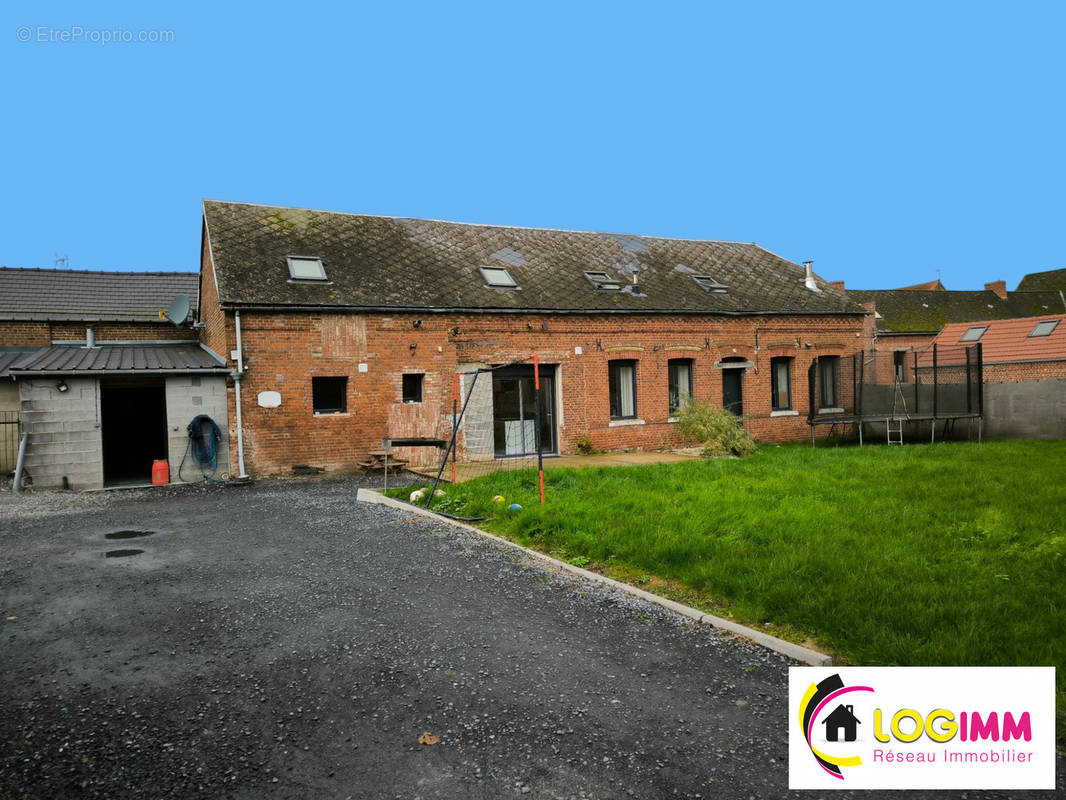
[{"x": 938, "y": 554}]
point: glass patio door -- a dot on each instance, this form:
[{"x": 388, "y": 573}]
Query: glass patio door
[{"x": 515, "y": 415}]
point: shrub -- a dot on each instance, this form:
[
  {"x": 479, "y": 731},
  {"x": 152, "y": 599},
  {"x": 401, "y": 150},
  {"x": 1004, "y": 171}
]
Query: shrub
[
  {"x": 721, "y": 432},
  {"x": 583, "y": 445}
]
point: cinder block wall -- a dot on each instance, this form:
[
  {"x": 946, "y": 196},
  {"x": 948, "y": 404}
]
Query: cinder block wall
[
  {"x": 1026, "y": 409},
  {"x": 64, "y": 430},
  {"x": 188, "y": 396}
]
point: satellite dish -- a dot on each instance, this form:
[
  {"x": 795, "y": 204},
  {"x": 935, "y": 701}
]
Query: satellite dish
[{"x": 179, "y": 309}]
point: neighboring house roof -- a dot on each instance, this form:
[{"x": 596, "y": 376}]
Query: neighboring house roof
[
  {"x": 918, "y": 311},
  {"x": 11, "y": 357},
  {"x": 1009, "y": 340},
  {"x": 398, "y": 263},
  {"x": 929, "y": 286},
  {"x": 61, "y": 295},
  {"x": 119, "y": 359},
  {"x": 1052, "y": 279}
]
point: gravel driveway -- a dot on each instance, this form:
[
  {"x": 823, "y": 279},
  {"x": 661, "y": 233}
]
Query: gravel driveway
[{"x": 281, "y": 640}]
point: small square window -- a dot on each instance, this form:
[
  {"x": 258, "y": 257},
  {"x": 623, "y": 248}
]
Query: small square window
[
  {"x": 709, "y": 284},
  {"x": 498, "y": 278},
  {"x": 1045, "y": 328},
  {"x": 974, "y": 333},
  {"x": 412, "y": 388},
  {"x": 601, "y": 280},
  {"x": 330, "y": 395},
  {"x": 302, "y": 268}
]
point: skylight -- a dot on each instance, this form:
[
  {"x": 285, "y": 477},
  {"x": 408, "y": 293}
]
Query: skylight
[
  {"x": 303, "y": 268},
  {"x": 498, "y": 277},
  {"x": 974, "y": 333},
  {"x": 601, "y": 280},
  {"x": 1045, "y": 328},
  {"x": 710, "y": 284}
]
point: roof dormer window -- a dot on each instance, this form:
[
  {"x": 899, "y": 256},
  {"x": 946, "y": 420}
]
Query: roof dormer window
[
  {"x": 709, "y": 284},
  {"x": 498, "y": 278},
  {"x": 306, "y": 268},
  {"x": 601, "y": 280}
]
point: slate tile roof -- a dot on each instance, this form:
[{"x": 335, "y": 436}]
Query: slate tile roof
[
  {"x": 914, "y": 310},
  {"x": 398, "y": 263},
  {"x": 61, "y": 295},
  {"x": 1008, "y": 340},
  {"x": 1051, "y": 280},
  {"x": 119, "y": 359}
]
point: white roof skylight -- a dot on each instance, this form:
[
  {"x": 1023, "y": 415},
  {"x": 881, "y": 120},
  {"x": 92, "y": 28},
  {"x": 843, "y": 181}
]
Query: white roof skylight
[
  {"x": 305, "y": 268},
  {"x": 974, "y": 333},
  {"x": 710, "y": 284},
  {"x": 1045, "y": 328},
  {"x": 601, "y": 280},
  {"x": 498, "y": 277}
]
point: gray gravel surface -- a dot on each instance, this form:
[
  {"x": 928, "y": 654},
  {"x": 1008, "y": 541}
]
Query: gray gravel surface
[{"x": 281, "y": 640}]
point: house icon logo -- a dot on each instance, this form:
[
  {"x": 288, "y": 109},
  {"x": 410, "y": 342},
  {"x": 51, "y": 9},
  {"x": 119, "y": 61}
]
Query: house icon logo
[{"x": 842, "y": 719}]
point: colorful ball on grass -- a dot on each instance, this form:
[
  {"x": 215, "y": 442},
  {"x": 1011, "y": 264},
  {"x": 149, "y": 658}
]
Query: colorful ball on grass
[
  {"x": 498, "y": 498},
  {"x": 515, "y": 507}
]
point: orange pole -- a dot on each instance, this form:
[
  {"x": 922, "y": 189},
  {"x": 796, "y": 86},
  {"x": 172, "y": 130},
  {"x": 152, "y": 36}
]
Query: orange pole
[{"x": 540, "y": 458}]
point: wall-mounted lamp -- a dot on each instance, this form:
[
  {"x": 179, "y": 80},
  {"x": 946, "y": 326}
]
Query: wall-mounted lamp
[
  {"x": 414, "y": 346},
  {"x": 544, "y": 326},
  {"x": 417, "y": 324},
  {"x": 657, "y": 348},
  {"x": 599, "y": 345},
  {"x": 529, "y": 326},
  {"x": 62, "y": 386}
]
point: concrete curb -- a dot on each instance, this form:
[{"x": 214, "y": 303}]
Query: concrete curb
[{"x": 794, "y": 651}]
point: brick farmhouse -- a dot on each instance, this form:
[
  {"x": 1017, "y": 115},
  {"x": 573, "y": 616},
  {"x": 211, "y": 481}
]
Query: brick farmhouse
[{"x": 343, "y": 329}]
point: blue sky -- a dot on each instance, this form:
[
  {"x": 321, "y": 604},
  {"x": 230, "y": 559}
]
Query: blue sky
[{"x": 885, "y": 141}]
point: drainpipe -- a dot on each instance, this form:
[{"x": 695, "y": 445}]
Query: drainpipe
[
  {"x": 237, "y": 386},
  {"x": 21, "y": 463}
]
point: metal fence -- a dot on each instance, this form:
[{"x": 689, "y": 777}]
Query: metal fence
[
  {"x": 9, "y": 441},
  {"x": 935, "y": 383}
]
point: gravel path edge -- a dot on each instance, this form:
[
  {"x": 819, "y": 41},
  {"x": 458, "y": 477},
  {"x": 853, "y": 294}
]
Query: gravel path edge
[{"x": 791, "y": 650}]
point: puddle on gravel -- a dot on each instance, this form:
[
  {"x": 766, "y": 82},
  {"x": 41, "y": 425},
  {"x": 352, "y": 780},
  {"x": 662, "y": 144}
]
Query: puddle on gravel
[
  {"x": 121, "y": 553},
  {"x": 128, "y": 534}
]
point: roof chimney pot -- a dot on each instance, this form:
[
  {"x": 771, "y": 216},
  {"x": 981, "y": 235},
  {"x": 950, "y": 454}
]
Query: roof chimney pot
[
  {"x": 808, "y": 277},
  {"x": 998, "y": 288}
]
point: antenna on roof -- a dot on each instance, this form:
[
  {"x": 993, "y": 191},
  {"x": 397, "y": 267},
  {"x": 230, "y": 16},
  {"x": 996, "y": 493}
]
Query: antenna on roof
[
  {"x": 61, "y": 261},
  {"x": 179, "y": 309}
]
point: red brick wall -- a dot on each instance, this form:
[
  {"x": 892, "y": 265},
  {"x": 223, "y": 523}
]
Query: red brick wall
[
  {"x": 1024, "y": 371},
  {"x": 29, "y": 334},
  {"x": 42, "y": 334},
  {"x": 284, "y": 351}
]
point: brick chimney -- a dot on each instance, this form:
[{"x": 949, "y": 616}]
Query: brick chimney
[
  {"x": 838, "y": 285},
  {"x": 998, "y": 288}
]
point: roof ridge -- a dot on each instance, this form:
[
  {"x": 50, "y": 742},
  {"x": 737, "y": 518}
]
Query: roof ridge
[
  {"x": 491, "y": 224},
  {"x": 98, "y": 271}
]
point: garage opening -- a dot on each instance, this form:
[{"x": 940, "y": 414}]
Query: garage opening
[{"x": 133, "y": 422}]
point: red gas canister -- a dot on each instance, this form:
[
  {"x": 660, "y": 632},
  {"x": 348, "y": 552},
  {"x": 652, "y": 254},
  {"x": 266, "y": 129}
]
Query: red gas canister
[{"x": 160, "y": 473}]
